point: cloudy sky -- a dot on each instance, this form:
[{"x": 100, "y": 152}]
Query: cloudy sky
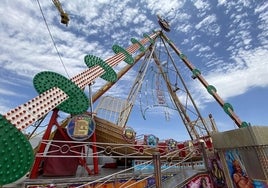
[{"x": 226, "y": 40}]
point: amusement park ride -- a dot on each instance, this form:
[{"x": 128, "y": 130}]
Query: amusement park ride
[
  {"x": 67, "y": 146},
  {"x": 64, "y": 16}
]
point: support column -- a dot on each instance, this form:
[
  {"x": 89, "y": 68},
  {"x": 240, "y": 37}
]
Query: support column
[
  {"x": 204, "y": 154},
  {"x": 157, "y": 170}
]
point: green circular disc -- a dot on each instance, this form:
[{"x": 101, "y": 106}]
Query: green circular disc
[
  {"x": 244, "y": 124},
  {"x": 211, "y": 89},
  {"x": 77, "y": 102},
  {"x": 226, "y": 108},
  {"x": 128, "y": 58},
  {"x": 150, "y": 39},
  {"x": 196, "y": 72},
  {"x": 16, "y": 153},
  {"x": 135, "y": 41},
  {"x": 109, "y": 75}
]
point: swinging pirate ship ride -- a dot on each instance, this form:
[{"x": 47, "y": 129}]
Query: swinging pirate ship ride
[{"x": 57, "y": 157}]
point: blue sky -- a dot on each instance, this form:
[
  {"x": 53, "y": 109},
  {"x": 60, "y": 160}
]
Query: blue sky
[{"x": 226, "y": 40}]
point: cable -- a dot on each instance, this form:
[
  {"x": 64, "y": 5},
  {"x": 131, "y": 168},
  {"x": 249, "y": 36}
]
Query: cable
[{"x": 53, "y": 41}]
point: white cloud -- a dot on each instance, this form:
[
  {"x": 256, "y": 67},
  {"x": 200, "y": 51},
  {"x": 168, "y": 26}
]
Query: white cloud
[
  {"x": 221, "y": 2},
  {"x": 184, "y": 28},
  {"x": 261, "y": 8},
  {"x": 6, "y": 92},
  {"x": 206, "y": 21},
  {"x": 249, "y": 72},
  {"x": 201, "y": 4},
  {"x": 263, "y": 21},
  {"x": 208, "y": 25},
  {"x": 163, "y": 7}
]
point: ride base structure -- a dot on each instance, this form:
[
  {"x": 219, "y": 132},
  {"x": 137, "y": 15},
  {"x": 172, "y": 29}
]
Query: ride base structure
[{"x": 71, "y": 151}]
